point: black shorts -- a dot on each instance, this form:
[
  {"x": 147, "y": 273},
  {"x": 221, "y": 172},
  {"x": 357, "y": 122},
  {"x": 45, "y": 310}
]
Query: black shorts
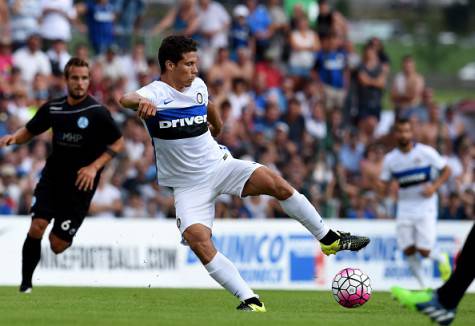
[{"x": 63, "y": 202}]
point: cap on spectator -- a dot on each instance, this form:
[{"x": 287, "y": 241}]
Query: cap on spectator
[
  {"x": 7, "y": 170},
  {"x": 240, "y": 11},
  {"x": 282, "y": 126}
]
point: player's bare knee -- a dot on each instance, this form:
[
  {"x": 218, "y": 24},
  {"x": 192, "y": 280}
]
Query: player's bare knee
[
  {"x": 282, "y": 189},
  {"x": 37, "y": 228}
]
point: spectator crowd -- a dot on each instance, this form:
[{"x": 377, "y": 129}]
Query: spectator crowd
[{"x": 294, "y": 93}]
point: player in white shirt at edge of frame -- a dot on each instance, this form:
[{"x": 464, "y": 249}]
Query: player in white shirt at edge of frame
[
  {"x": 412, "y": 166},
  {"x": 181, "y": 122}
]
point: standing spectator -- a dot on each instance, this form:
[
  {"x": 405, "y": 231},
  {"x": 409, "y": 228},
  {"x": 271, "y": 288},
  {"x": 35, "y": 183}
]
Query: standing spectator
[
  {"x": 183, "y": 19},
  {"x": 129, "y": 17},
  {"x": 31, "y": 60},
  {"x": 280, "y": 30},
  {"x": 214, "y": 23},
  {"x": 260, "y": 24},
  {"x": 330, "y": 21},
  {"x": 246, "y": 64},
  {"x": 240, "y": 33},
  {"x": 56, "y": 18},
  {"x": 304, "y": 43},
  {"x": 4, "y": 18},
  {"x": 382, "y": 55},
  {"x": 100, "y": 17},
  {"x": 408, "y": 85},
  {"x": 371, "y": 82},
  {"x": 331, "y": 68},
  {"x": 24, "y": 15}
]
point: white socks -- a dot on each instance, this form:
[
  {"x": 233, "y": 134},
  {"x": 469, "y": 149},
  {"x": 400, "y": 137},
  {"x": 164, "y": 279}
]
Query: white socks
[
  {"x": 415, "y": 265},
  {"x": 225, "y": 273},
  {"x": 298, "y": 207}
]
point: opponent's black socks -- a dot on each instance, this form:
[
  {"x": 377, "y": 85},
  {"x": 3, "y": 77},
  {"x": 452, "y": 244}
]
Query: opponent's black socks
[
  {"x": 329, "y": 238},
  {"x": 31, "y": 254}
]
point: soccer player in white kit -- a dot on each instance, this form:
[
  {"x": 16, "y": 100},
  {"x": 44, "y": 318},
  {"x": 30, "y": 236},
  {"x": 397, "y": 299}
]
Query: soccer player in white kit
[
  {"x": 182, "y": 122},
  {"x": 412, "y": 165}
]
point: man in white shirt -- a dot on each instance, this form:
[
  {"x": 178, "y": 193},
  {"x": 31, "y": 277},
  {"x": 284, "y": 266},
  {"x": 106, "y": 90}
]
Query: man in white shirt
[
  {"x": 412, "y": 165},
  {"x": 31, "y": 60},
  {"x": 182, "y": 122}
]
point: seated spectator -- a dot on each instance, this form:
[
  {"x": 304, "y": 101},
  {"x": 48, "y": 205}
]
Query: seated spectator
[
  {"x": 408, "y": 85},
  {"x": 295, "y": 121},
  {"x": 6, "y": 63},
  {"x": 223, "y": 69},
  {"x": 434, "y": 132},
  {"x": 351, "y": 153},
  {"x": 112, "y": 65},
  {"x": 107, "y": 201},
  {"x": 135, "y": 206},
  {"x": 316, "y": 124},
  {"x": 58, "y": 56},
  {"x": 239, "y": 97},
  {"x": 454, "y": 209}
]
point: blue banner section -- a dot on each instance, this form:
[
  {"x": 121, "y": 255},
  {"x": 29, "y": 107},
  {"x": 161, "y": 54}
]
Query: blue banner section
[{"x": 413, "y": 176}]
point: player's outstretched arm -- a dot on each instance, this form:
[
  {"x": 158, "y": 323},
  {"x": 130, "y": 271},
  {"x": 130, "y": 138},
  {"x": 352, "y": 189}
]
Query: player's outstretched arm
[
  {"x": 214, "y": 119},
  {"x": 21, "y": 136},
  {"x": 144, "y": 107},
  {"x": 87, "y": 174}
]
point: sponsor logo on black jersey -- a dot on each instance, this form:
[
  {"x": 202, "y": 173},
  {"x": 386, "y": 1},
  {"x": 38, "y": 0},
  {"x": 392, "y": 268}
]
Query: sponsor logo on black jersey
[{"x": 83, "y": 122}]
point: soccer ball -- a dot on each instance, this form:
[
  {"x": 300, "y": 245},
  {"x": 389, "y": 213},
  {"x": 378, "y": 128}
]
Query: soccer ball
[{"x": 351, "y": 288}]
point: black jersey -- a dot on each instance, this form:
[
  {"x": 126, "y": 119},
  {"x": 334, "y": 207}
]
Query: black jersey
[{"x": 81, "y": 133}]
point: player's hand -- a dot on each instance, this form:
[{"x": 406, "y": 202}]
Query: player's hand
[
  {"x": 429, "y": 190},
  {"x": 7, "y": 140},
  {"x": 85, "y": 179},
  {"x": 146, "y": 109}
]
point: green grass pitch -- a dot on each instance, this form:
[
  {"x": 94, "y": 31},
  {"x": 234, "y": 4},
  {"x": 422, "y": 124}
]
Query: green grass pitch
[{"x": 125, "y": 306}]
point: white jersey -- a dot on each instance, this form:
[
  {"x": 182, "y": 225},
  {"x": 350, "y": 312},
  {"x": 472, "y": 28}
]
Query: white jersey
[
  {"x": 413, "y": 171},
  {"x": 185, "y": 151}
]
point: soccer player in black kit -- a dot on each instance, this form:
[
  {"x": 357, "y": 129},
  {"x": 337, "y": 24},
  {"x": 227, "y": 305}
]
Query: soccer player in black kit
[{"x": 85, "y": 139}]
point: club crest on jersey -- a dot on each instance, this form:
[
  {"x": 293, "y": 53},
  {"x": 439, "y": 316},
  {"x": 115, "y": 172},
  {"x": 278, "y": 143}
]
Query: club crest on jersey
[
  {"x": 199, "y": 98},
  {"x": 83, "y": 122}
]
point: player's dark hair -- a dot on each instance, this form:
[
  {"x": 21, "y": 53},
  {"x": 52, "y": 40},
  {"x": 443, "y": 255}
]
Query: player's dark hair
[
  {"x": 401, "y": 121},
  {"x": 74, "y": 62},
  {"x": 173, "y": 47}
]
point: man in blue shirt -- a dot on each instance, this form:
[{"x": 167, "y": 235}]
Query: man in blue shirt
[{"x": 331, "y": 68}]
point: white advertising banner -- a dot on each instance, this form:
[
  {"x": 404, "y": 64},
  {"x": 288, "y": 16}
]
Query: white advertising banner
[{"x": 273, "y": 254}]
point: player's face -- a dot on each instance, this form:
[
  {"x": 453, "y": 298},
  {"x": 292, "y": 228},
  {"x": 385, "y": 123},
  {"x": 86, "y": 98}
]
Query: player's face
[
  {"x": 186, "y": 70},
  {"x": 78, "y": 82},
  {"x": 403, "y": 134}
]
